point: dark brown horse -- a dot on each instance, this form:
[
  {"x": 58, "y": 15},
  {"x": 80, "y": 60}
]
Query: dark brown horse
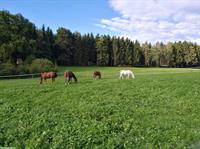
[
  {"x": 97, "y": 74},
  {"x": 69, "y": 75},
  {"x": 47, "y": 75}
]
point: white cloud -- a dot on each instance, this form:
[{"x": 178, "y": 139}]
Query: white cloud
[{"x": 155, "y": 20}]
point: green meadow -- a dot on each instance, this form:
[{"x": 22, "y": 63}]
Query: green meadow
[{"x": 160, "y": 108}]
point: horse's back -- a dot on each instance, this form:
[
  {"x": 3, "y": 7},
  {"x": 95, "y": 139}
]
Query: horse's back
[
  {"x": 97, "y": 73},
  {"x": 124, "y": 71},
  {"x": 50, "y": 74},
  {"x": 68, "y": 74}
]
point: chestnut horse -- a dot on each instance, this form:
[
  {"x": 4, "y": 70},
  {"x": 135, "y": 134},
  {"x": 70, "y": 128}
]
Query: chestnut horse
[
  {"x": 47, "y": 75},
  {"x": 97, "y": 74},
  {"x": 69, "y": 75}
]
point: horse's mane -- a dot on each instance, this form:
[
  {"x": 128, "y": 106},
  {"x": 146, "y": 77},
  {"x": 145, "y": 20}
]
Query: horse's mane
[{"x": 75, "y": 78}]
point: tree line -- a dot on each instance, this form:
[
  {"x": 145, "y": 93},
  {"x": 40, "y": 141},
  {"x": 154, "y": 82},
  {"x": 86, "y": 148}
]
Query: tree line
[{"x": 21, "y": 39}]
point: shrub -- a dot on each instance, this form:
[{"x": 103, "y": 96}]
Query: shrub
[
  {"x": 7, "y": 69},
  {"x": 10, "y": 69},
  {"x": 41, "y": 65},
  {"x": 22, "y": 69},
  {"x": 29, "y": 59},
  {"x": 37, "y": 66}
]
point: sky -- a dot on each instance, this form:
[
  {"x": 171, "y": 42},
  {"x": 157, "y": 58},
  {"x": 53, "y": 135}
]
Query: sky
[
  {"x": 144, "y": 20},
  {"x": 76, "y": 15}
]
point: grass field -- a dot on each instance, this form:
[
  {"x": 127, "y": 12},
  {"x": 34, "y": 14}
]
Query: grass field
[{"x": 160, "y": 108}]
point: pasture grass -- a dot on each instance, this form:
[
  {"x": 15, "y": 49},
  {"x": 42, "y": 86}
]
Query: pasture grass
[{"x": 160, "y": 108}]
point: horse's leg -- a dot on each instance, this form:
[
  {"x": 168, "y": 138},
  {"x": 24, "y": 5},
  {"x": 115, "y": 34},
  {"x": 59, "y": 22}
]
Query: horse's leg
[
  {"x": 41, "y": 80},
  {"x": 65, "y": 80},
  {"x": 69, "y": 79},
  {"x": 120, "y": 76},
  {"x": 53, "y": 79},
  {"x": 123, "y": 76}
]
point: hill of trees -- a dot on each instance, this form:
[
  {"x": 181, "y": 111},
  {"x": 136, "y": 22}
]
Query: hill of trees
[{"x": 22, "y": 40}]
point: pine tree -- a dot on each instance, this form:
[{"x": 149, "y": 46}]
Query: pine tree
[
  {"x": 138, "y": 57},
  {"x": 102, "y": 46},
  {"x": 63, "y": 43},
  {"x": 116, "y": 51}
]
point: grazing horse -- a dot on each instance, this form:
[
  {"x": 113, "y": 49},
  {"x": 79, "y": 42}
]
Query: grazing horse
[
  {"x": 97, "y": 74},
  {"x": 69, "y": 75},
  {"x": 47, "y": 75},
  {"x": 128, "y": 73}
]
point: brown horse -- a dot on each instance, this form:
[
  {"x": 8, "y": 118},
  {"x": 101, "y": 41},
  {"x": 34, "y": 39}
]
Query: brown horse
[
  {"x": 69, "y": 75},
  {"x": 47, "y": 75},
  {"x": 97, "y": 74}
]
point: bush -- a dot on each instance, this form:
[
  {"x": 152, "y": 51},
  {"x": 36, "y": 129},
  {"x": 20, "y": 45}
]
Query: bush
[
  {"x": 37, "y": 66},
  {"x": 22, "y": 69},
  {"x": 10, "y": 69},
  {"x": 7, "y": 69},
  {"x": 41, "y": 65},
  {"x": 29, "y": 59}
]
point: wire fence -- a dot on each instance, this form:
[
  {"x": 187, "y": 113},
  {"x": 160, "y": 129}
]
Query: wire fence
[
  {"x": 80, "y": 74},
  {"x": 32, "y": 75},
  {"x": 20, "y": 76}
]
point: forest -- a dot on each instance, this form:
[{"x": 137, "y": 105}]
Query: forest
[{"x": 21, "y": 43}]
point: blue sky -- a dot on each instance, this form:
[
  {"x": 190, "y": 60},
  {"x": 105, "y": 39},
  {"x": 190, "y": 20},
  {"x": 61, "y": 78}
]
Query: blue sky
[
  {"x": 144, "y": 20},
  {"x": 76, "y": 15}
]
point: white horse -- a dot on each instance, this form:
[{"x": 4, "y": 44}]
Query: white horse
[{"x": 126, "y": 73}]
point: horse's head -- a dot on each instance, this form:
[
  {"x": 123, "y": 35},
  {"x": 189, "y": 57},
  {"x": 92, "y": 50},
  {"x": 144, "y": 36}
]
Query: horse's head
[{"x": 55, "y": 75}]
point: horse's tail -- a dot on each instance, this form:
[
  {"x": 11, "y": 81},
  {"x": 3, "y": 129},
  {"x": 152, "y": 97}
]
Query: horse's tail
[
  {"x": 65, "y": 74},
  {"x": 99, "y": 75},
  {"x": 41, "y": 78}
]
